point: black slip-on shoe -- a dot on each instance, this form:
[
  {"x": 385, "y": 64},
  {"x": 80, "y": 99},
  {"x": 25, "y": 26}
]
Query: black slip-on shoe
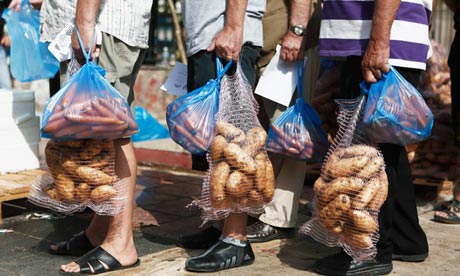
[
  {"x": 410, "y": 257},
  {"x": 221, "y": 256},
  {"x": 343, "y": 265},
  {"x": 201, "y": 240},
  {"x": 262, "y": 232}
]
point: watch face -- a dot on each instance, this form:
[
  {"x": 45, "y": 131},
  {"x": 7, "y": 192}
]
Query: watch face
[{"x": 298, "y": 30}]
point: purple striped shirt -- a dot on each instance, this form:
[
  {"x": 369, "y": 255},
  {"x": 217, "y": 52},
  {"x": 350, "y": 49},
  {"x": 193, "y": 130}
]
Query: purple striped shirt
[{"x": 346, "y": 26}]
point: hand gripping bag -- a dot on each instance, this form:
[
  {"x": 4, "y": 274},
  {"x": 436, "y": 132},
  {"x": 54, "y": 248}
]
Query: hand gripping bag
[
  {"x": 298, "y": 131},
  {"x": 87, "y": 107},
  {"x": 191, "y": 117},
  {"x": 395, "y": 111},
  {"x": 30, "y": 59}
]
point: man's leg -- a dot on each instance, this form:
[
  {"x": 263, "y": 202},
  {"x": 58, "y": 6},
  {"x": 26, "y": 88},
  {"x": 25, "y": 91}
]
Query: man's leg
[
  {"x": 122, "y": 69},
  {"x": 5, "y": 78}
]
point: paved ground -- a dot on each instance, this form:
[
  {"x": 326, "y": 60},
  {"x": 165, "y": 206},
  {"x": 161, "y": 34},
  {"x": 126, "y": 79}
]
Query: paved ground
[{"x": 162, "y": 196}]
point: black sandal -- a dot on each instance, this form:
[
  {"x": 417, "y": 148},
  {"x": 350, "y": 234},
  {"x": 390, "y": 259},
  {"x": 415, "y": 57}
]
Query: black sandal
[
  {"x": 450, "y": 214},
  {"x": 95, "y": 260},
  {"x": 78, "y": 245}
]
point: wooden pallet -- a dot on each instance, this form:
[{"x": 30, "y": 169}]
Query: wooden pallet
[
  {"x": 444, "y": 187},
  {"x": 16, "y": 185}
]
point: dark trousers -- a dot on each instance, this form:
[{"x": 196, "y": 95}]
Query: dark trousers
[
  {"x": 399, "y": 228},
  {"x": 201, "y": 68},
  {"x": 454, "y": 64}
]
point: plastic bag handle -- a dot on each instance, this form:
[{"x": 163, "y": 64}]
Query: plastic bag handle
[
  {"x": 221, "y": 72},
  {"x": 82, "y": 46},
  {"x": 300, "y": 73}
]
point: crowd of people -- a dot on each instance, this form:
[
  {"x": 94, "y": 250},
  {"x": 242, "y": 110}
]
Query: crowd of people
[{"x": 367, "y": 35}]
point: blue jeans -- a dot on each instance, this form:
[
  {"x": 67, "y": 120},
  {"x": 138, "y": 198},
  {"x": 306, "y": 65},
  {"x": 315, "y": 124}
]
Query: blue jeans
[{"x": 5, "y": 79}]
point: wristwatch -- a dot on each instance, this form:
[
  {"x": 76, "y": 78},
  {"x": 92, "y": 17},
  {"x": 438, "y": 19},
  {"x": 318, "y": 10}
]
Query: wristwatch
[{"x": 298, "y": 30}]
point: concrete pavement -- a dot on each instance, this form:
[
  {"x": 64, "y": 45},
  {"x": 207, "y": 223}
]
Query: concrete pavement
[{"x": 162, "y": 196}]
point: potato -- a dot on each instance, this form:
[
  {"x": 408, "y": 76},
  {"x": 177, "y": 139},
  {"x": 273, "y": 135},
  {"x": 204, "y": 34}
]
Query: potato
[
  {"x": 356, "y": 150},
  {"x": 363, "y": 221},
  {"x": 102, "y": 193},
  {"x": 344, "y": 185},
  {"x": 239, "y": 159},
  {"x": 374, "y": 165},
  {"x": 90, "y": 149},
  {"x": 269, "y": 182},
  {"x": 93, "y": 176},
  {"x": 318, "y": 185},
  {"x": 255, "y": 140},
  {"x": 69, "y": 164},
  {"x": 101, "y": 160},
  {"x": 355, "y": 239},
  {"x": 380, "y": 197},
  {"x": 82, "y": 192},
  {"x": 330, "y": 214},
  {"x": 346, "y": 166},
  {"x": 76, "y": 144},
  {"x": 64, "y": 187},
  {"x": 228, "y": 130},
  {"x": 260, "y": 176},
  {"x": 238, "y": 184},
  {"x": 371, "y": 188},
  {"x": 53, "y": 194},
  {"x": 219, "y": 176},
  {"x": 255, "y": 197},
  {"x": 217, "y": 147}
]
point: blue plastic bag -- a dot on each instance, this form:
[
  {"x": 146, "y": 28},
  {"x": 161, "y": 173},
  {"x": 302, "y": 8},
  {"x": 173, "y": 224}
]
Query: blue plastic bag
[
  {"x": 149, "y": 127},
  {"x": 191, "y": 117},
  {"x": 87, "y": 106},
  {"x": 298, "y": 132},
  {"x": 30, "y": 58},
  {"x": 395, "y": 111}
]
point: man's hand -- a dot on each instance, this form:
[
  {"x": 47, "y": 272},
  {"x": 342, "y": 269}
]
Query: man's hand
[
  {"x": 5, "y": 41},
  {"x": 227, "y": 44},
  {"x": 293, "y": 47},
  {"x": 375, "y": 61},
  {"x": 85, "y": 19},
  {"x": 16, "y": 4}
]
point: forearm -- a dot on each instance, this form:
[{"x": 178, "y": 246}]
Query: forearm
[
  {"x": 235, "y": 12},
  {"x": 299, "y": 12},
  {"x": 382, "y": 20},
  {"x": 86, "y": 13},
  {"x": 450, "y": 4}
]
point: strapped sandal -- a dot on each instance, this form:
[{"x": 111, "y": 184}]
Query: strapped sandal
[
  {"x": 450, "y": 214},
  {"x": 77, "y": 245},
  {"x": 93, "y": 263}
]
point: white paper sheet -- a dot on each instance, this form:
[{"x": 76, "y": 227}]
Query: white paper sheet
[
  {"x": 279, "y": 80},
  {"x": 176, "y": 83}
]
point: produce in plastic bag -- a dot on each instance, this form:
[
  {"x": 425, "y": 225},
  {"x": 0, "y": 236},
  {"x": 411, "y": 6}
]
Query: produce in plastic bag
[
  {"x": 87, "y": 107},
  {"x": 298, "y": 132},
  {"x": 191, "y": 117},
  {"x": 351, "y": 188},
  {"x": 30, "y": 59},
  {"x": 396, "y": 112},
  {"x": 81, "y": 174},
  {"x": 240, "y": 177}
]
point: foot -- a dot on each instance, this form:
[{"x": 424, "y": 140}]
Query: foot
[
  {"x": 262, "y": 232},
  {"x": 449, "y": 215},
  {"x": 343, "y": 264},
  {"x": 222, "y": 255},
  {"x": 77, "y": 245},
  {"x": 200, "y": 240}
]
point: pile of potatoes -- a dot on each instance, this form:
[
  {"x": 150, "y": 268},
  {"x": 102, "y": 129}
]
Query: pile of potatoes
[
  {"x": 349, "y": 193},
  {"x": 82, "y": 170},
  {"x": 241, "y": 172}
]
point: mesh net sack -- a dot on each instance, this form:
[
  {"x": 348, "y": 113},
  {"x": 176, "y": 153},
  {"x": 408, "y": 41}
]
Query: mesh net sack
[
  {"x": 240, "y": 177},
  {"x": 351, "y": 188},
  {"x": 81, "y": 173}
]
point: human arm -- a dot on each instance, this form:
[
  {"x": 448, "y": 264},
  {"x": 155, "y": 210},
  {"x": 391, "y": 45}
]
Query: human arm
[
  {"x": 85, "y": 20},
  {"x": 293, "y": 46},
  {"x": 5, "y": 41},
  {"x": 228, "y": 42},
  {"x": 377, "y": 54}
]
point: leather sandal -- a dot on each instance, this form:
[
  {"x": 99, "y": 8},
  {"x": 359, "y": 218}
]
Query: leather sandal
[
  {"x": 449, "y": 215},
  {"x": 77, "y": 245}
]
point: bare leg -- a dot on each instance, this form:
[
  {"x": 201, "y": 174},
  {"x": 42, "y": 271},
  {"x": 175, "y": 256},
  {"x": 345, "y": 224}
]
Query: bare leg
[
  {"x": 235, "y": 226},
  {"x": 119, "y": 239}
]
